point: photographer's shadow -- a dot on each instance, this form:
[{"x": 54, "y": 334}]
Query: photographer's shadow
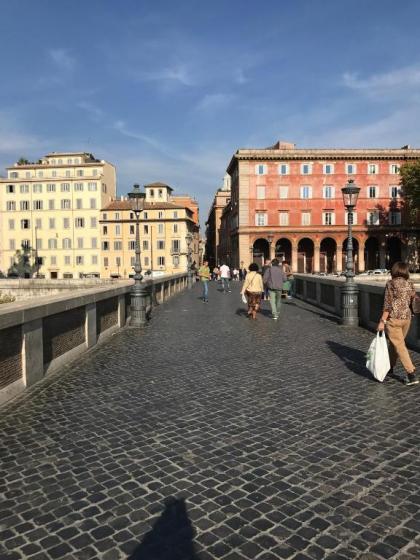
[{"x": 171, "y": 537}]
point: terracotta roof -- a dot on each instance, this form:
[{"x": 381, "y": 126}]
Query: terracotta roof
[
  {"x": 129, "y": 205},
  {"x": 157, "y": 185}
]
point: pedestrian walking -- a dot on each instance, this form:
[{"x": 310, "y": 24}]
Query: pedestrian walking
[
  {"x": 288, "y": 285},
  {"x": 225, "y": 277},
  {"x": 204, "y": 275},
  {"x": 252, "y": 289},
  {"x": 273, "y": 278},
  {"x": 236, "y": 274},
  {"x": 215, "y": 274},
  {"x": 267, "y": 264},
  {"x": 396, "y": 319}
]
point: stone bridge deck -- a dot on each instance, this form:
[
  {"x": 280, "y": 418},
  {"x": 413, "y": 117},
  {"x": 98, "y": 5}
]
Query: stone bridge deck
[{"x": 210, "y": 436}]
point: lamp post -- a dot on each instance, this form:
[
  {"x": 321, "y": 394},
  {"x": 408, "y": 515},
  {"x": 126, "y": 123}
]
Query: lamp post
[
  {"x": 270, "y": 238},
  {"x": 188, "y": 239},
  {"x": 350, "y": 291},
  {"x": 139, "y": 289}
]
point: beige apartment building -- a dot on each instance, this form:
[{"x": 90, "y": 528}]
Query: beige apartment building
[
  {"x": 164, "y": 225},
  {"x": 50, "y": 209}
]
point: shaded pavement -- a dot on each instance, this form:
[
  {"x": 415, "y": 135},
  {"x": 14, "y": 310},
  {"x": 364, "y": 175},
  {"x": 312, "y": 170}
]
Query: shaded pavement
[{"x": 212, "y": 436}]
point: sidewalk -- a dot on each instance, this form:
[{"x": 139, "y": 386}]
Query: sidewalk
[{"x": 212, "y": 436}]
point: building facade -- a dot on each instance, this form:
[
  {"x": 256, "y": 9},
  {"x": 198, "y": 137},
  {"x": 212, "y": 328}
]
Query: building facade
[
  {"x": 49, "y": 212},
  {"x": 164, "y": 225},
  {"x": 214, "y": 236},
  {"x": 287, "y": 202}
]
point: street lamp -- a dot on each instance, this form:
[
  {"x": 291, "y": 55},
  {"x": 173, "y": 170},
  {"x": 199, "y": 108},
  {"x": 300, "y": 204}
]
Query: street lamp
[
  {"x": 350, "y": 291},
  {"x": 139, "y": 290},
  {"x": 188, "y": 239}
]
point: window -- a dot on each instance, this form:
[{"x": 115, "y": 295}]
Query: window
[
  {"x": 92, "y": 186},
  {"x": 132, "y": 230},
  {"x": 373, "y": 218},
  {"x": 54, "y": 173},
  {"x": 40, "y": 174},
  {"x": 160, "y": 193},
  {"x": 37, "y": 204},
  {"x": 354, "y": 218},
  {"x": 80, "y": 242},
  {"x": 175, "y": 215},
  {"x": 93, "y": 203},
  {"x": 78, "y": 187},
  {"x": 160, "y": 215},
  {"x": 105, "y": 245},
  {"x": 305, "y": 191},
  {"x": 394, "y": 169},
  {"x": 24, "y": 188},
  {"x": 306, "y": 218},
  {"x": 117, "y": 245},
  {"x": 146, "y": 261},
  {"x": 67, "y": 261},
  {"x": 160, "y": 228},
  {"x": 161, "y": 261},
  {"x": 68, "y": 173},
  {"x": 175, "y": 261},
  {"x": 38, "y": 223},
  {"x": 283, "y": 192},
  {"x": 105, "y": 230},
  {"x": 11, "y": 224},
  {"x": 51, "y": 204},
  {"x": 372, "y": 191},
  {"x": 261, "y": 219},
  {"x": 12, "y": 245},
  {"x": 145, "y": 229},
  {"x": 261, "y": 169},
  {"x": 79, "y": 222},
  {"x": 65, "y": 187},
  {"x": 26, "y": 244},
  {"x": 132, "y": 215},
  {"x": 260, "y": 193},
  {"x": 372, "y": 169},
  {"x": 94, "y": 242},
  {"x": 306, "y": 168},
  {"x": 133, "y": 261},
  {"x": 175, "y": 245},
  {"x": 117, "y": 230},
  {"x": 94, "y": 259},
  {"x": 25, "y": 224},
  {"x": 60, "y": 162},
  {"x": 37, "y": 188},
  {"x": 79, "y": 260},
  {"x": 395, "y": 218},
  {"x": 11, "y": 205},
  {"x": 27, "y": 175},
  {"x": 145, "y": 215},
  {"x": 394, "y": 191},
  {"x": 93, "y": 222},
  {"x": 66, "y": 223},
  {"x": 328, "y": 168},
  {"x": 161, "y": 244},
  {"x": 329, "y": 192},
  {"x": 52, "y": 243},
  {"x": 284, "y": 218},
  {"x": 79, "y": 172},
  {"x": 152, "y": 193},
  {"x": 51, "y": 187},
  {"x": 67, "y": 243},
  {"x": 94, "y": 172},
  {"x": 116, "y": 215},
  {"x": 350, "y": 168},
  {"x": 53, "y": 260},
  {"x": 65, "y": 204},
  {"x": 24, "y": 204},
  {"x": 175, "y": 228},
  {"x": 39, "y": 244},
  {"x": 132, "y": 245},
  {"x": 79, "y": 203},
  {"x": 328, "y": 218},
  {"x": 284, "y": 169},
  {"x": 14, "y": 175},
  {"x": 10, "y": 189},
  {"x": 69, "y": 161}
]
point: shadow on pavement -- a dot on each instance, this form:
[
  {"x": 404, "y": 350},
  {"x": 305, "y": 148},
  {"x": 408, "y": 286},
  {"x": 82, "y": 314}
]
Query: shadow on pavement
[
  {"x": 171, "y": 537},
  {"x": 353, "y": 358},
  {"x": 331, "y": 318}
]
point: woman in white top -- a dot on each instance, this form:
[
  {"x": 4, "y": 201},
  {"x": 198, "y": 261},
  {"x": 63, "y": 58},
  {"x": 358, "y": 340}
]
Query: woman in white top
[{"x": 253, "y": 289}]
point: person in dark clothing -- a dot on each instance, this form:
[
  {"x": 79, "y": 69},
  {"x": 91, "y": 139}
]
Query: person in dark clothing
[
  {"x": 273, "y": 279},
  {"x": 266, "y": 265}
]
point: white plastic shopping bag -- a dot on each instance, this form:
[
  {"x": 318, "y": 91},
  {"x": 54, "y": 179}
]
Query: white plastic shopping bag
[
  {"x": 377, "y": 358},
  {"x": 244, "y": 300}
]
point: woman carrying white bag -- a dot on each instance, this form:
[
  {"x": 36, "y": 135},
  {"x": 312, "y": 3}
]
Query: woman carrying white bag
[
  {"x": 396, "y": 319},
  {"x": 377, "y": 357}
]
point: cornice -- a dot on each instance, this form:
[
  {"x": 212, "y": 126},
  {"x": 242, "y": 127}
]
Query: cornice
[{"x": 327, "y": 154}]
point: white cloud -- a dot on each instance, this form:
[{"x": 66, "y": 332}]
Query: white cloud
[
  {"x": 62, "y": 59},
  {"x": 179, "y": 73},
  {"x": 214, "y": 102},
  {"x": 386, "y": 84},
  {"x": 93, "y": 111}
]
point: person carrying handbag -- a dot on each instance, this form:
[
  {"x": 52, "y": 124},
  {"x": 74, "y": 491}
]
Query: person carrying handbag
[
  {"x": 252, "y": 288},
  {"x": 396, "y": 318}
]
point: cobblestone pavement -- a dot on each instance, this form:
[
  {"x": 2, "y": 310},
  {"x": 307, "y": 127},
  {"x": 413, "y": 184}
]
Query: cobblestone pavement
[{"x": 210, "y": 436}]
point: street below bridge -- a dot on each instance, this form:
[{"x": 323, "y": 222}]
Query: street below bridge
[{"x": 212, "y": 436}]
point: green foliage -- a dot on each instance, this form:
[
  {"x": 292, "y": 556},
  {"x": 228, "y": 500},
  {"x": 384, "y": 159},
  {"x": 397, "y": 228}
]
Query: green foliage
[
  {"x": 23, "y": 161},
  {"x": 24, "y": 265},
  {"x": 410, "y": 183}
]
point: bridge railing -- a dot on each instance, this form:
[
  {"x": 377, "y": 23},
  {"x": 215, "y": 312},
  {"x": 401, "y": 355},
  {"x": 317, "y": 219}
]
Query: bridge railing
[
  {"x": 325, "y": 292},
  {"x": 39, "y": 335}
]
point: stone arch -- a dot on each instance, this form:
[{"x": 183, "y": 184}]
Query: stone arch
[
  {"x": 355, "y": 254},
  {"x": 328, "y": 255},
  {"x": 372, "y": 260},
  {"x": 306, "y": 249},
  {"x": 260, "y": 251},
  {"x": 283, "y": 250}
]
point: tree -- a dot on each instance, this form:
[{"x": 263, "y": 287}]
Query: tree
[
  {"x": 22, "y": 267},
  {"x": 410, "y": 186},
  {"x": 23, "y": 161}
]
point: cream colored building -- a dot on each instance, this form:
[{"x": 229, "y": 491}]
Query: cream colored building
[
  {"x": 52, "y": 207},
  {"x": 164, "y": 225}
]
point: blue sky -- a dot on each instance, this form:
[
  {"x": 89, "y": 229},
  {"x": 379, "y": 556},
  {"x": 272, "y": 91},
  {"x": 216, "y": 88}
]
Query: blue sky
[{"x": 167, "y": 91}]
